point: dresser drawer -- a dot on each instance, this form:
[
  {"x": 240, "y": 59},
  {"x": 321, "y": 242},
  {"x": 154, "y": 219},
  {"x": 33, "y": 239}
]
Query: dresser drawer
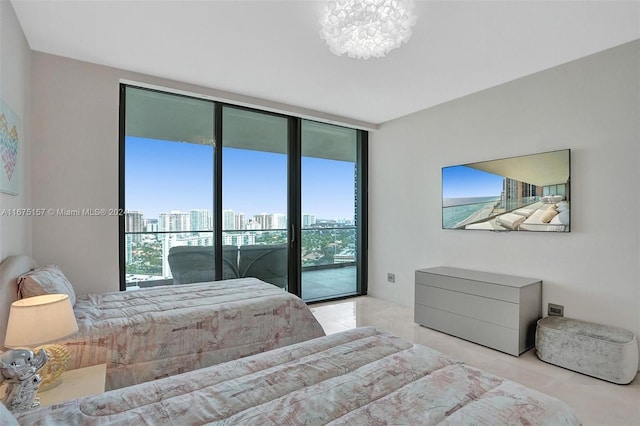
[
  {"x": 470, "y": 286},
  {"x": 485, "y": 309},
  {"x": 484, "y": 333}
]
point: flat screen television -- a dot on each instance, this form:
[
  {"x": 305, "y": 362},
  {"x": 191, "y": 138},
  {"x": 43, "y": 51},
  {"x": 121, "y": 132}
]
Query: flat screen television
[{"x": 525, "y": 193}]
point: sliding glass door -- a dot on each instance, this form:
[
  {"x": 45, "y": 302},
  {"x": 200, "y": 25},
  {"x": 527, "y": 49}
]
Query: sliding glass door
[
  {"x": 329, "y": 186},
  {"x": 168, "y": 185},
  {"x": 215, "y": 191},
  {"x": 254, "y": 193}
]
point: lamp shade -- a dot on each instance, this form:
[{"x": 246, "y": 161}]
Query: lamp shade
[{"x": 40, "y": 319}]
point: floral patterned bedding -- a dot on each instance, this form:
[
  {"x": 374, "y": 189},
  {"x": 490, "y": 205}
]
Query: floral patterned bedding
[
  {"x": 359, "y": 376},
  {"x": 151, "y": 333}
]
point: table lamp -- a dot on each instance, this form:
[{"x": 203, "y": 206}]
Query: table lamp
[{"x": 37, "y": 320}]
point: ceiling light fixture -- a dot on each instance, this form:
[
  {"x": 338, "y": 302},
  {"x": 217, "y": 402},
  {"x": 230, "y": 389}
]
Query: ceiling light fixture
[{"x": 366, "y": 28}]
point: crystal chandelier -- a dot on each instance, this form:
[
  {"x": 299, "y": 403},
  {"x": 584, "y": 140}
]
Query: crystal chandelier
[{"x": 366, "y": 28}]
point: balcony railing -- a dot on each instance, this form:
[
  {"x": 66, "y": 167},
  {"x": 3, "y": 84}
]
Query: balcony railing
[
  {"x": 460, "y": 215},
  {"x": 146, "y": 262}
]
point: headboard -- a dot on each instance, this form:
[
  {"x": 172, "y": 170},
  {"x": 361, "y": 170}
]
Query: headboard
[{"x": 10, "y": 269}]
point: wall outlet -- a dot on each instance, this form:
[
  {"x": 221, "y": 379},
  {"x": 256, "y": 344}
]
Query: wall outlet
[
  {"x": 555, "y": 310},
  {"x": 391, "y": 277}
]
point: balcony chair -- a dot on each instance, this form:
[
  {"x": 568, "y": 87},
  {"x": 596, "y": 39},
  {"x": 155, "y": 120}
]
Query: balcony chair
[
  {"x": 265, "y": 262},
  {"x": 192, "y": 264}
]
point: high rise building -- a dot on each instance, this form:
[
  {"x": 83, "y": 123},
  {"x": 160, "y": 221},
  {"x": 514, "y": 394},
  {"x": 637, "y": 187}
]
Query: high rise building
[
  {"x": 239, "y": 239},
  {"x": 279, "y": 221},
  {"x": 240, "y": 221},
  {"x": 200, "y": 220},
  {"x": 174, "y": 221},
  {"x": 253, "y": 224},
  {"x": 133, "y": 222},
  {"x": 150, "y": 225},
  {"x": 128, "y": 248},
  {"x": 228, "y": 220},
  {"x": 308, "y": 220},
  {"x": 264, "y": 219},
  {"x": 355, "y": 193}
]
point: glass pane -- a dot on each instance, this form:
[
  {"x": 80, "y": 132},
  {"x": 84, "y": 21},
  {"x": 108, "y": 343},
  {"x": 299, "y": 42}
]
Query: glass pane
[
  {"x": 328, "y": 211},
  {"x": 169, "y": 153},
  {"x": 254, "y": 195}
]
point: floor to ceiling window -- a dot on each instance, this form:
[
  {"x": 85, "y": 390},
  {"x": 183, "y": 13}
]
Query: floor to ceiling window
[
  {"x": 329, "y": 209},
  {"x": 168, "y": 181},
  {"x": 254, "y": 193}
]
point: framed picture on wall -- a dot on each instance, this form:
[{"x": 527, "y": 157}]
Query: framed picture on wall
[{"x": 10, "y": 134}]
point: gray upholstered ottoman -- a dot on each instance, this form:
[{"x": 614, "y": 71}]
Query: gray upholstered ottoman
[{"x": 601, "y": 351}]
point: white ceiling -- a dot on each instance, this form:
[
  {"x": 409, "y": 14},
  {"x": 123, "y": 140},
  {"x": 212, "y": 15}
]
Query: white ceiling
[
  {"x": 271, "y": 49},
  {"x": 544, "y": 169}
]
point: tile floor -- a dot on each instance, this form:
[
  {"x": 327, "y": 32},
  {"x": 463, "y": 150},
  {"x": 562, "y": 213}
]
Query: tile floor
[{"x": 595, "y": 402}]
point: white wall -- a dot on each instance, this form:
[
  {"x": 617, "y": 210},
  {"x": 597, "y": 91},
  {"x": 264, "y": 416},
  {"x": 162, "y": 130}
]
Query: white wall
[
  {"x": 15, "y": 66},
  {"x": 591, "y": 106},
  {"x": 74, "y": 165}
]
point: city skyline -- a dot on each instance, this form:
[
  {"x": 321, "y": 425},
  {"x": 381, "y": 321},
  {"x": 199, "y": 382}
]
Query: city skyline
[
  {"x": 202, "y": 220},
  {"x": 235, "y": 212},
  {"x": 161, "y": 176}
]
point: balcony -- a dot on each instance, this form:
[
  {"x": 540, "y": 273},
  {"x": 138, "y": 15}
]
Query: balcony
[
  {"x": 458, "y": 216},
  {"x": 334, "y": 281},
  {"x": 328, "y": 256}
]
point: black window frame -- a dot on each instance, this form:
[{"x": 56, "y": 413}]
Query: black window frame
[{"x": 294, "y": 213}]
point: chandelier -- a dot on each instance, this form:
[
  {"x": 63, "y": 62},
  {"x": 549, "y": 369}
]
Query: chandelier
[{"x": 366, "y": 28}]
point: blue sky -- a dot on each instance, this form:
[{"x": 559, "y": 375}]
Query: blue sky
[
  {"x": 161, "y": 176},
  {"x": 465, "y": 182}
]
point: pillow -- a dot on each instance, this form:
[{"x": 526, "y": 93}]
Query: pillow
[
  {"x": 562, "y": 206},
  {"x": 548, "y": 215},
  {"x": 562, "y": 218},
  {"x": 47, "y": 279}
]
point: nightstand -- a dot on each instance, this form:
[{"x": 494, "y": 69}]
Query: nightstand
[{"x": 76, "y": 384}]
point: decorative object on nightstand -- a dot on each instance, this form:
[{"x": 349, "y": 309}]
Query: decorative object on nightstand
[
  {"x": 34, "y": 321},
  {"x": 56, "y": 365},
  {"x": 19, "y": 368}
]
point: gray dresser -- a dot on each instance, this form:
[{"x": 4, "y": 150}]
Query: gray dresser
[{"x": 494, "y": 310}]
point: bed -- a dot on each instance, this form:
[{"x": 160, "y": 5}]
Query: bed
[
  {"x": 358, "y": 376},
  {"x": 150, "y": 333}
]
